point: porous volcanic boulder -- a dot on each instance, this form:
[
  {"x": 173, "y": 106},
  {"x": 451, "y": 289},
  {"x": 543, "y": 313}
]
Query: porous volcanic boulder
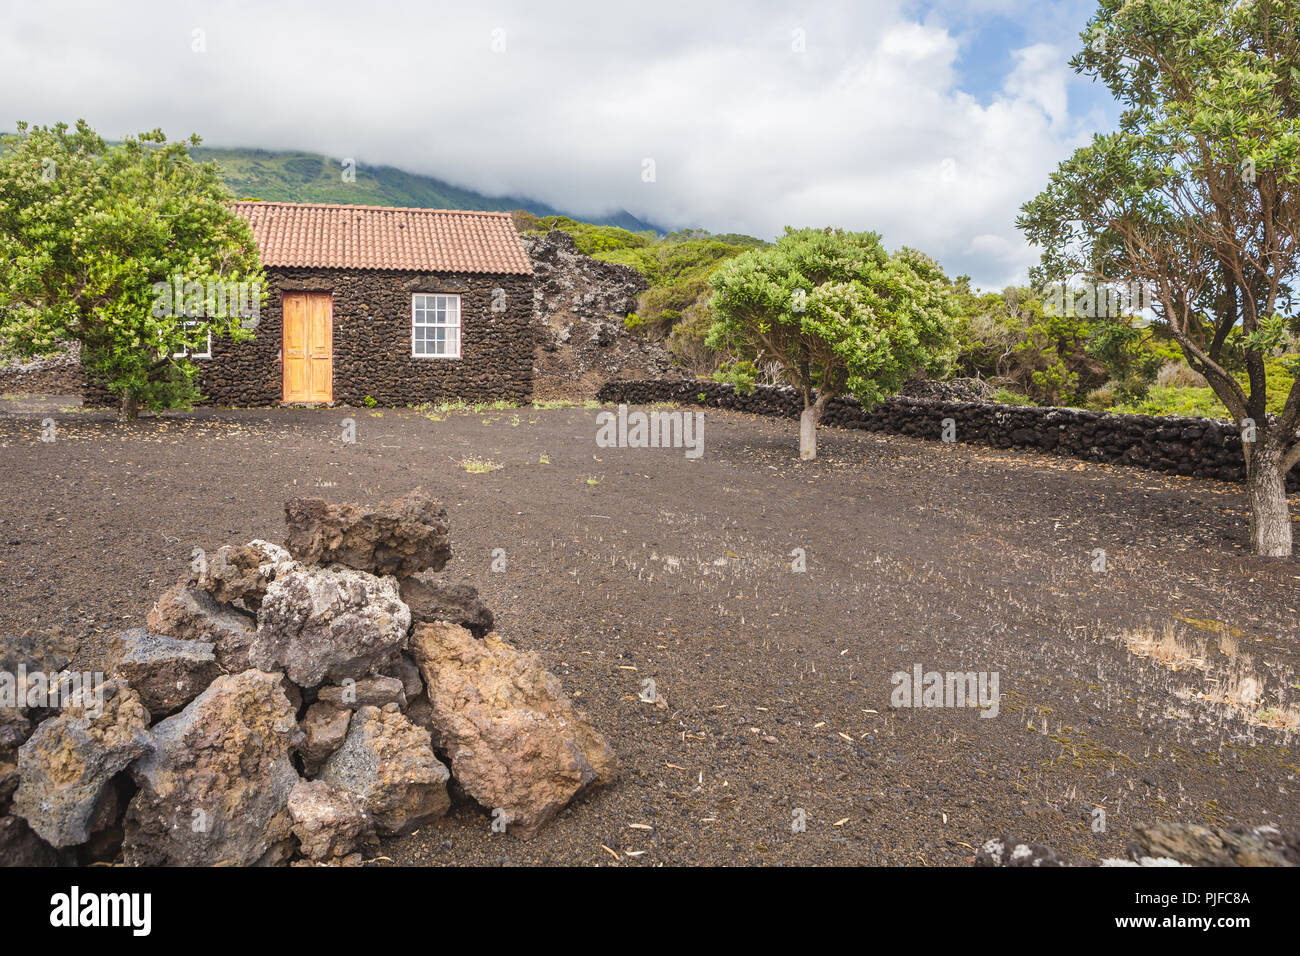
[
  {"x": 374, "y": 691},
  {"x": 215, "y": 788},
  {"x": 14, "y": 728},
  {"x": 388, "y": 763},
  {"x": 408, "y": 535},
  {"x": 38, "y": 649},
  {"x": 1007, "y": 851},
  {"x": 328, "y": 821},
  {"x": 432, "y": 599},
  {"x": 8, "y": 782},
  {"x": 19, "y": 846},
  {"x": 43, "y": 650},
  {"x": 189, "y": 614},
  {"x": 242, "y": 572},
  {"x": 325, "y": 727},
  {"x": 319, "y": 624},
  {"x": 514, "y": 739},
  {"x": 408, "y": 672},
  {"x": 166, "y": 672},
  {"x": 68, "y": 762},
  {"x": 1196, "y": 845}
]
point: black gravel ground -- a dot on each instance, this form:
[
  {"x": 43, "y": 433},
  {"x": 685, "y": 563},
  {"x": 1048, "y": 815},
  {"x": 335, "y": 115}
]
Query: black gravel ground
[{"x": 622, "y": 565}]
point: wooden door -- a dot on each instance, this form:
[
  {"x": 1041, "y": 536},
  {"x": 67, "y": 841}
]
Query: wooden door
[{"x": 308, "y": 351}]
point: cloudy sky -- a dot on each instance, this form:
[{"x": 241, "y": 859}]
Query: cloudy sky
[{"x": 930, "y": 122}]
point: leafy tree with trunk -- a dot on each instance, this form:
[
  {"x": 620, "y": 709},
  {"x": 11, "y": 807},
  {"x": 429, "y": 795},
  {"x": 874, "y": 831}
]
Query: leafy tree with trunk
[
  {"x": 836, "y": 311},
  {"x": 129, "y": 250},
  {"x": 1195, "y": 196}
]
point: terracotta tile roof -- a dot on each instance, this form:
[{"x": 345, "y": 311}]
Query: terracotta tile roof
[{"x": 327, "y": 236}]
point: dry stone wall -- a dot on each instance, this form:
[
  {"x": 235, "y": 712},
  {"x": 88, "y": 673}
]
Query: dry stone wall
[
  {"x": 1204, "y": 448},
  {"x": 57, "y": 374}
]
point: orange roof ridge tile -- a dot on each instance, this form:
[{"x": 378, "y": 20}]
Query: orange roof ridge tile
[{"x": 342, "y": 205}]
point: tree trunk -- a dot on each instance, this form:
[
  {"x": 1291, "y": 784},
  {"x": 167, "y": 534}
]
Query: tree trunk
[
  {"x": 1270, "y": 518},
  {"x": 128, "y": 411},
  {"x": 809, "y": 419},
  {"x": 808, "y": 434}
]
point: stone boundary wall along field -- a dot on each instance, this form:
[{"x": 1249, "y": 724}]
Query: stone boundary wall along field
[
  {"x": 56, "y": 374},
  {"x": 1204, "y": 448}
]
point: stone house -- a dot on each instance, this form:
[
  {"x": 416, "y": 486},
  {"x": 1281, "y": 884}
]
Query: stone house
[{"x": 400, "y": 306}]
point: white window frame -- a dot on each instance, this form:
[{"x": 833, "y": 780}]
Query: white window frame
[
  {"x": 185, "y": 351},
  {"x": 427, "y": 303}
]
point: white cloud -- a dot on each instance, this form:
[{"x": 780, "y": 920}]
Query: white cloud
[
  {"x": 1038, "y": 78},
  {"x": 746, "y": 134}
]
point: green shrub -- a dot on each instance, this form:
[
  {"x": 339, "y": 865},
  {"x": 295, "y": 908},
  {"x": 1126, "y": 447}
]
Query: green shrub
[
  {"x": 1165, "y": 400},
  {"x": 591, "y": 239}
]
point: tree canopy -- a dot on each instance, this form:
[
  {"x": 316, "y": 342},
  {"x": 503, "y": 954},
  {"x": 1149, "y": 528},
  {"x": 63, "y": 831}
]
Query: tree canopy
[
  {"x": 835, "y": 309},
  {"x": 1195, "y": 196},
  {"x": 91, "y": 233}
]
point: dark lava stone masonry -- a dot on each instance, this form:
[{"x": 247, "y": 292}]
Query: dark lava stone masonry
[
  {"x": 372, "y": 342},
  {"x": 1184, "y": 446}
]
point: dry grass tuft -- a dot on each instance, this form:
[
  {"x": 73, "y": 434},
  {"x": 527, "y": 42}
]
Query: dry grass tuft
[
  {"x": 1167, "y": 648},
  {"x": 478, "y": 466},
  {"x": 1234, "y": 688}
]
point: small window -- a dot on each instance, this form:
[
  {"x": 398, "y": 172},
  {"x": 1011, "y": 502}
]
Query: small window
[
  {"x": 435, "y": 326},
  {"x": 189, "y": 352}
]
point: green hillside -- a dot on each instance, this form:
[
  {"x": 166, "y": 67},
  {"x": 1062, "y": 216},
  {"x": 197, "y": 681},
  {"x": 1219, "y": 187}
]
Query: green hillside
[{"x": 311, "y": 177}]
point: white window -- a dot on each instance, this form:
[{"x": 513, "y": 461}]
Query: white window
[
  {"x": 435, "y": 326},
  {"x": 194, "y": 353}
]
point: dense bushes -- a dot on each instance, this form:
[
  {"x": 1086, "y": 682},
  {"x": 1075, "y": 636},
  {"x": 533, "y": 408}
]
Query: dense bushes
[{"x": 1012, "y": 339}]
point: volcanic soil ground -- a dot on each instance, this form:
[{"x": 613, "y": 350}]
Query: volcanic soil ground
[{"x": 622, "y": 566}]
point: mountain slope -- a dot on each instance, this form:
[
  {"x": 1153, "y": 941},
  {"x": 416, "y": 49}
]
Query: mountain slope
[{"x": 311, "y": 177}]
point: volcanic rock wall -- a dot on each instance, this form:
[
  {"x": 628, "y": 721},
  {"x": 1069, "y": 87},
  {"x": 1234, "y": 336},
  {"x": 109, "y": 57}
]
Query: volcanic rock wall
[
  {"x": 1205, "y": 448},
  {"x": 579, "y": 306},
  {"x": 57, "y": 374}
]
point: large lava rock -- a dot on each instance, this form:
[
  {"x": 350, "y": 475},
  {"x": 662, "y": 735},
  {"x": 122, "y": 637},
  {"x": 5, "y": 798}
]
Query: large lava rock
[
  {"x": 388, "y": 763},
  {"x": 189, "y": 614},
  {"x": 46, "y": 651},
  {"x": 324, "y": 728},
  {"x": 65, "y": 767},
  {"x": 242, "y": 573},
  {"x": 19, "y": 846},
  {"x": 215, "y": 788},
  {"x": 408, "y": 535},
  {"x": 166, "y": 672},
  {"x": 1196, "y": 845},
  {"x": 432, "y": 599},
  {"x": 328, "y": 821},
  {"x": 330, "y": 623},
  {"x": 514, "y": 739}
]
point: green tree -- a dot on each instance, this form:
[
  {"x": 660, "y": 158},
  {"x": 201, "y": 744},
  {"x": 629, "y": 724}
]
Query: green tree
[
  {"x": 90, "y": 236},
  {"x": 836, "y": 311},
  {"x": 1195, "y": 196}
]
